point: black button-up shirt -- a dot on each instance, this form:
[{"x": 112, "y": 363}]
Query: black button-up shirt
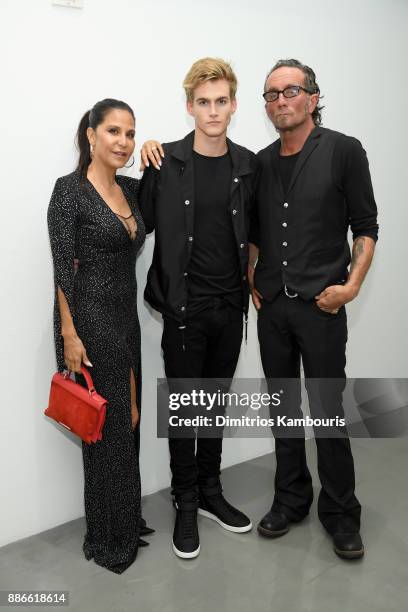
[{"x": 302, "y": 234}]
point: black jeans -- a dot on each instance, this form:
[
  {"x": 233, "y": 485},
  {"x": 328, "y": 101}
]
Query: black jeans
[
  {"x": 212, "y": 341},
  {"x": 287, "y": 330}
]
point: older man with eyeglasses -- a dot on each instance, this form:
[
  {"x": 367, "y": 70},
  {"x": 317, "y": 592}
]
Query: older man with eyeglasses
[{"x": 314, "y": 185}]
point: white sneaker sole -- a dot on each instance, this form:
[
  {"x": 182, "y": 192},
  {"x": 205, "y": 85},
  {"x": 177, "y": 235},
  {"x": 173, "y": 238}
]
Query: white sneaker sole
[
  {"x": 184, "y": 555},
  {"x": 224, "y": 525}
]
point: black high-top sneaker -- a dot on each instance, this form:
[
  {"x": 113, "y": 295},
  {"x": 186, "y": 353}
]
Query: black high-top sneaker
[
  {"x": 186, "y": 541},
  {"x": 213, "y": 505}
]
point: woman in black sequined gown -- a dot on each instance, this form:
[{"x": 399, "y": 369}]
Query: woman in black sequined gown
[{"x": 98, "y": 307}]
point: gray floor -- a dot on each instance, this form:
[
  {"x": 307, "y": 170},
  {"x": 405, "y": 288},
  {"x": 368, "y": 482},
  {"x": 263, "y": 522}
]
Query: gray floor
[{"x": 241, "y": 572}]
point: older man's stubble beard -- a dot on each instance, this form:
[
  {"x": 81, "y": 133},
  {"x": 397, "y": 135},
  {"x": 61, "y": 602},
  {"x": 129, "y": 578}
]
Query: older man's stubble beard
[{"x": 281, "y": 125}]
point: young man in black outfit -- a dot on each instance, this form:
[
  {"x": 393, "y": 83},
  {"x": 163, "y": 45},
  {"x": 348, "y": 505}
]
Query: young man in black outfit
[
  {"x": 314, "y": 184},
  {"x": 198, "y": 204}
]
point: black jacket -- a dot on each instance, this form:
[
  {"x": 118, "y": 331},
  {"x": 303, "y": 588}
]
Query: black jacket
[
  {"x": 167, "y": 205},
  {"x": 302, "y": 237}
]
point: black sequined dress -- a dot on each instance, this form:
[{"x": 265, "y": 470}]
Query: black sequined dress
[{"x": 102, "y": 296}]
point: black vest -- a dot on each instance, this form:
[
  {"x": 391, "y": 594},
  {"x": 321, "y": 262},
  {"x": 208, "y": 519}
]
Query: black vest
[{"x": 303, "y": 235}]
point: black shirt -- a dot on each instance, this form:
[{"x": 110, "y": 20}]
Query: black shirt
[
  {"x": 286, "y": 166},
  {"x": 213, "y": 270}
]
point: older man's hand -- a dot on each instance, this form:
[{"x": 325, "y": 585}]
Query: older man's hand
[{"x": 334, "y": 297}]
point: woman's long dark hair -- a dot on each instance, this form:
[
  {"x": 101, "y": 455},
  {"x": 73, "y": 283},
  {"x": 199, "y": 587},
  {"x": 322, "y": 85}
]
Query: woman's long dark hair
[{"x": 93, "y": 118}]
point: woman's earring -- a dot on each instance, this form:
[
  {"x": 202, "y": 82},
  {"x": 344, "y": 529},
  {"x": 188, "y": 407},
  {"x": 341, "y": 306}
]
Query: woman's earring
[
  {"x": 92, "y": 150},
  {"x": 133, "y": 161}
]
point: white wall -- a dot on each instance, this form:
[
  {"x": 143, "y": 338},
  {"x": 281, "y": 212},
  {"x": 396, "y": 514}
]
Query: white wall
[{"x": 56, "y": 63}]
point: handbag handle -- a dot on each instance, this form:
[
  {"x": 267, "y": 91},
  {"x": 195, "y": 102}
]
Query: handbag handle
[{"x": 88, "y": 379}]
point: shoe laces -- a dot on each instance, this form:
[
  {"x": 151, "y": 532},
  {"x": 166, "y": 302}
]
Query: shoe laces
[
  {"x": 218, "y": 500},
  {"x": 189, "y": 518}
]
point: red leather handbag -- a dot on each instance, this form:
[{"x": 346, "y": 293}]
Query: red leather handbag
[{"x": 80, "y": 410}]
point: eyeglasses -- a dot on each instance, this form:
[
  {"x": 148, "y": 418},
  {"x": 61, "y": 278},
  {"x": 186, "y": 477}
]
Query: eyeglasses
[{"x": 289, "y": 92}]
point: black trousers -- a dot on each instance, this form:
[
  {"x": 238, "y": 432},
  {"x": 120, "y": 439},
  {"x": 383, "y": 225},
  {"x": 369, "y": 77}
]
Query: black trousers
[
  {"x": 287, "y": 330},
  {"x": 212, "y": 341}
]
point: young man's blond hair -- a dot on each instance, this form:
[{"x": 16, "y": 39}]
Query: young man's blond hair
[{"x": 209, "y": 69}]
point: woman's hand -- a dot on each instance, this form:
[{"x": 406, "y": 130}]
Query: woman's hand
[
  {"x": 153, "y": 151},
  {"x": 74, "y": 353}
]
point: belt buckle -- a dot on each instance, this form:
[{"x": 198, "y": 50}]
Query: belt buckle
[{"x": 290, "y": 295}]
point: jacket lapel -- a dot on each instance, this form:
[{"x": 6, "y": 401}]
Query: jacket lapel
[
  {"x": 310, "y": 145},
  {"x": 184, "y": 148},
  {"x": 183, "y": 153}
]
